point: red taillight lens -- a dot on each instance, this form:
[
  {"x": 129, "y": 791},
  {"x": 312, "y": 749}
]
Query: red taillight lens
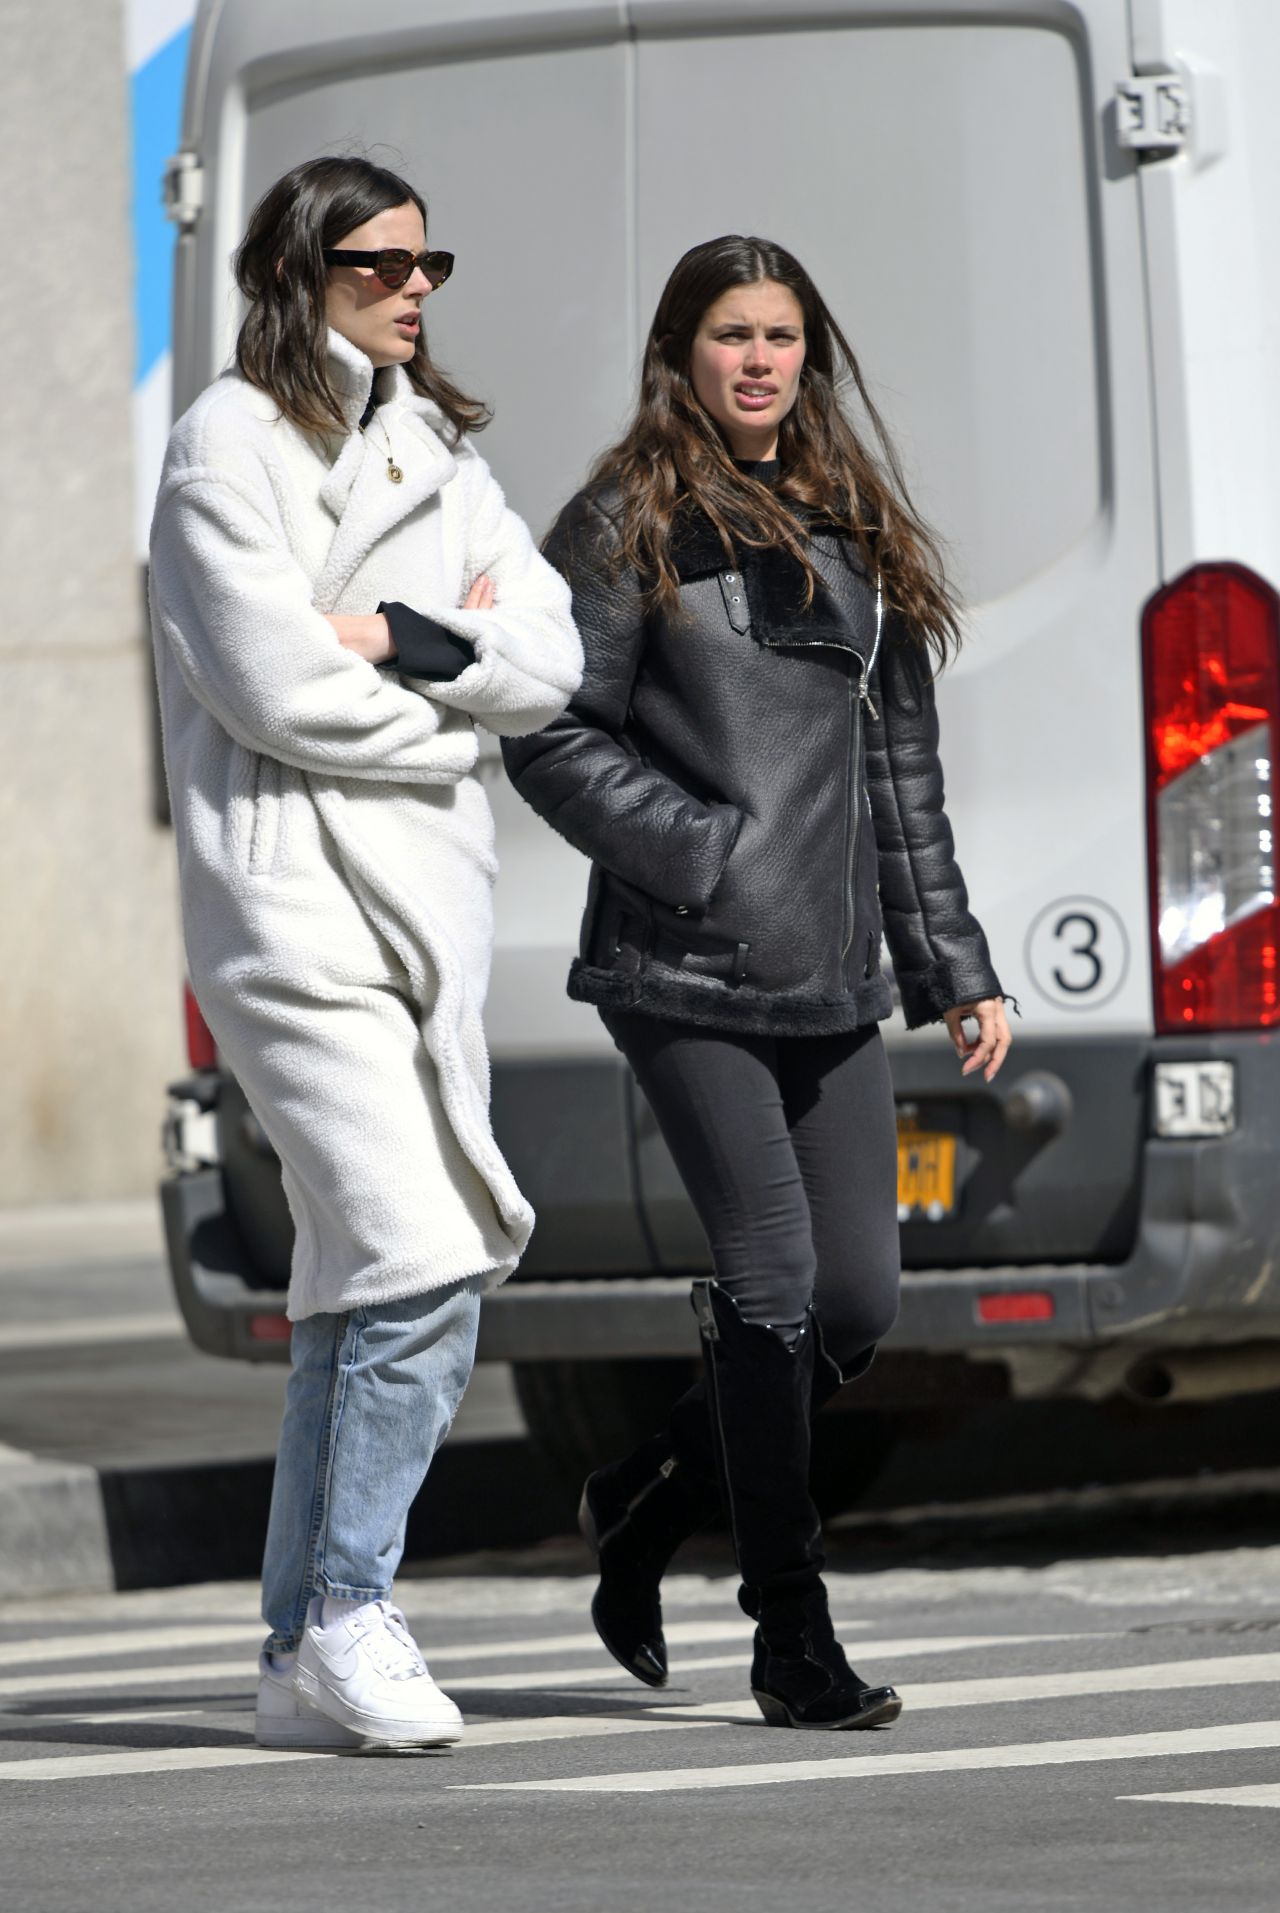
[
  {"x": 270, "y": 1328},
  {"x": 202, "y": 1051},
  {"x": 1015, "y": 1305},
  {"x": 1211, "y": 669}
]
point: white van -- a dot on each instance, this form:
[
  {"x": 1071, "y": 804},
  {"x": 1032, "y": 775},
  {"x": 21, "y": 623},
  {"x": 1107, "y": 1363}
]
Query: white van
[{"x": 1049, "y": 228}]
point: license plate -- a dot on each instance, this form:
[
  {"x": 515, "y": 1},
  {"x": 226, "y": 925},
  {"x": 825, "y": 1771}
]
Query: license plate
[{"x": 926, "y": 1174}]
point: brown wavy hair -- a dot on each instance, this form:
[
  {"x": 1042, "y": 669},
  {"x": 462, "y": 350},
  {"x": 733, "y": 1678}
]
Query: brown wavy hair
[
  {"x": 283, "y": 342},
  {"x": 673, "y": 456}
]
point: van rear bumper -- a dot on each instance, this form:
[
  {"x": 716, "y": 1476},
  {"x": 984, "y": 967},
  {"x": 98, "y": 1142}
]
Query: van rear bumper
[{"x": 1203, "y": 1266}]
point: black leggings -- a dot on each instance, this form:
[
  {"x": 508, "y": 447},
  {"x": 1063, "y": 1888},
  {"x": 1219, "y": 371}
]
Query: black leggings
[{"x": 787, "y": 1147}]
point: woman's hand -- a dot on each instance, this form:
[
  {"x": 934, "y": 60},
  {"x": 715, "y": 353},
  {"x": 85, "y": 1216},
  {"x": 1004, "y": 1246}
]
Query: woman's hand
[
  {"x": 369, "y": 637},
  {"x": 991, "y": 1045}
]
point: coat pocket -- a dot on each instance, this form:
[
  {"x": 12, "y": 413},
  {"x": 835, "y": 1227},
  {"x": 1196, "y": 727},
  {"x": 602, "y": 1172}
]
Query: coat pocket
[{"x": 265, "y": 817}]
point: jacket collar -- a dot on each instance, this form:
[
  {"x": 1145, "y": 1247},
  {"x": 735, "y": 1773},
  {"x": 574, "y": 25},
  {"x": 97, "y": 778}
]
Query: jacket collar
[
  {"x": 356, "y": 489},
  {"x": 775, "y": 584}
]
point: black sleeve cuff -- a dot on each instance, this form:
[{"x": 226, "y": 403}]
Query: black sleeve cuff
[{"x": 424, "y": 649}]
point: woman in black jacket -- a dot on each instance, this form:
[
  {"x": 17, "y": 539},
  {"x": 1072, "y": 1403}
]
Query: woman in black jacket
[{"x": 752, "y": 767}]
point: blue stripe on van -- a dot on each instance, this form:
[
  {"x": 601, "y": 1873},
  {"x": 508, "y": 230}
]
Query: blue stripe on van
[{"x": 156, "y": 109}]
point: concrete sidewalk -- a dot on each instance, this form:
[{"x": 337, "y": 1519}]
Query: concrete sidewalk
[{"x": 129, "y": 1459}]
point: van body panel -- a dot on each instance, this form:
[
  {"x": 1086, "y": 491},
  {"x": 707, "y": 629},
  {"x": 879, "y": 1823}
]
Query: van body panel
[
  {"x": 1209, "y": 215},
  {"x": 1076, "y": 354}
]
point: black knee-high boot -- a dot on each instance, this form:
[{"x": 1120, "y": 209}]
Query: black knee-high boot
[
  {"x": 636, "y": 1513},
  {"x": 761, "y": 1395},
  {"x": 633, "y": 1515}
]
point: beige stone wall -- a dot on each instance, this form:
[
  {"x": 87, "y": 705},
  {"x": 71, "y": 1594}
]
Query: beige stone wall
[{"x": 90, "y": 969}]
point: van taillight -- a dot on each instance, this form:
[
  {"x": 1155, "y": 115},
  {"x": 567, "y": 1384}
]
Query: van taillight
[
  {"x": 202, "y": 1051},
  {"x": 1211, "y": 672}
]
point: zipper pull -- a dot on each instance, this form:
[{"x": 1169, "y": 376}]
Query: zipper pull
[
  {"x": 865, "y": 695},
  {"x": 701, "y": 1298}
]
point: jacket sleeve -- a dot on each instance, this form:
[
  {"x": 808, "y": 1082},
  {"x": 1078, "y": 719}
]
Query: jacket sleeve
[
  {"x": 582, "y": 774},
  {"x": 528, "y": 659},
  {"x": 424, "y": 649},
  {"x": 940, "y": 956},
  {"x": 235, "y": 608}
]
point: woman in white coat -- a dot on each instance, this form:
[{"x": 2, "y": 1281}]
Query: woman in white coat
[{"x": 339, "y": 596}]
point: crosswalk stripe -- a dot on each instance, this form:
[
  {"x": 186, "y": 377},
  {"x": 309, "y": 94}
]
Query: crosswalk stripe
[
  {"x": 606, "y": 1677},
  {"x": 1223, "y": 1670},
  {"x": 120, "y": 1718},
  {"x": 1045, "y": 1753},
  {"x": 512, "y": 1733},
  {"x": 1267, "y": 1795},
  {"x": 105, "y": 1680},
  {"x": 1219, "y": 1670},
  {"x": 499, "y": 1733},
  {"x": 153, "y": 1326},
  {"x": 1147, "y": 1677},
  {"x": 161, "y": 1760},
  {"x": 678, "y": 1633},
  {"x": 601, "y": 1673},
  {"x": 158, "y": 1640}
]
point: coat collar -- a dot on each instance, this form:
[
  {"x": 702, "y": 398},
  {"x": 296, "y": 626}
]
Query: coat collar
[
  {"x": 357, "y": 489},
  {"x": 775, "y": 584}
]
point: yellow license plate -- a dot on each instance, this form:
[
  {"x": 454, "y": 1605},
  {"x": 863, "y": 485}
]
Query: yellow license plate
[{"x": 926, "y": 1174}]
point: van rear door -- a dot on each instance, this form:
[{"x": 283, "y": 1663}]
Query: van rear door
[{"x": 951, "y": 176}]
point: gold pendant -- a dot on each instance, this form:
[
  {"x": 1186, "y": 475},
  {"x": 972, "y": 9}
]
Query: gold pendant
[{"x": 394, "y": 473}]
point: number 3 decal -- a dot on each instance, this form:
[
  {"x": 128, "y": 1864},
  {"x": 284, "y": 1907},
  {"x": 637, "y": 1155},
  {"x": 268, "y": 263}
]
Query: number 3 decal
[{"x": 1077, "y": 953}]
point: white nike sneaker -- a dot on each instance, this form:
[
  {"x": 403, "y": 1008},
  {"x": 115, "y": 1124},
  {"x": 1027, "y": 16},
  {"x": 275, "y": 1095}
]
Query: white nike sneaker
[
  {"x": 285, "y": 1719},
  {"x": 365, "y": 1673}
]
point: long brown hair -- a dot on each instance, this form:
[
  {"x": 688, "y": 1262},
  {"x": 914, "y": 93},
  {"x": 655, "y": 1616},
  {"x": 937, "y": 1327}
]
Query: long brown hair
[
  {"x": 672, "y": 454},
  {"x": 282, "y": 347}
]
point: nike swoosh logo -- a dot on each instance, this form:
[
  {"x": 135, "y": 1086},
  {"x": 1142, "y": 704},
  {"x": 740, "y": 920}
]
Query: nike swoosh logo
[{"x": 341, "y": 1666}]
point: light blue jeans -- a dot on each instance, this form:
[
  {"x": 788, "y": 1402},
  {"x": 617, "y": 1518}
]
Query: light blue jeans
[{"x": 372, "y": 1394}]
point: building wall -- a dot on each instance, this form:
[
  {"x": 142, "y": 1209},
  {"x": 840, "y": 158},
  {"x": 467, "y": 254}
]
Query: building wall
[{"x": 90, "y": 970}]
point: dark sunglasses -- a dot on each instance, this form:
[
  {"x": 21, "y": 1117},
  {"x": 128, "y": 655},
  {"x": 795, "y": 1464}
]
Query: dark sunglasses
[{"x": 394, "y": 265}]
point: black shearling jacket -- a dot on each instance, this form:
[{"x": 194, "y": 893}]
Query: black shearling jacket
[{"x": 757, "y": 785}]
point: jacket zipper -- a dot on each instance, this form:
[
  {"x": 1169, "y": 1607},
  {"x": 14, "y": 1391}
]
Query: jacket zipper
[
  {"x": 860, "y": 699},
  {"x": 865, "y": 688}
]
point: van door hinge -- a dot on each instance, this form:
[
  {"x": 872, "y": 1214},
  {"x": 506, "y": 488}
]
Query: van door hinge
[
  {"x": 1153, "y": 114},
  {"x": 183, "y": 190}
]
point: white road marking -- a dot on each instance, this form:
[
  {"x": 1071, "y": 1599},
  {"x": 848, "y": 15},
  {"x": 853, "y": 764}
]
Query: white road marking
[
  {"x": 160, "y": 1760},
  {"x": 105, "y": 1680},
  {"x": 1222, "y": 1670},
  {"x": 151, "y": 1640},
  {"x": 907, "y": 1649},
  {"x": 602, "y": 1672},
  {"x": 498, "y": 1733},
  {"x": 1267, "y": 1795},
  {"x": 678, "y": 1633},
  {"x": 151, "y": 1327},
  {"x": 117, "y": 1719},
  {"x": 511, "y": 1733},
  {"x": 1150, "y": 1677},
  {"x": 1043, "y": 1753},
  {"x": 86, "y": 1647}
]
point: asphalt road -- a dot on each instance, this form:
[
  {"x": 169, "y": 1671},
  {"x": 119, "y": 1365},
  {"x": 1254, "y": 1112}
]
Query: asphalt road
[
  {"x": 1102, "y": 1730},
  {"x": 1081, "y": 1608}
]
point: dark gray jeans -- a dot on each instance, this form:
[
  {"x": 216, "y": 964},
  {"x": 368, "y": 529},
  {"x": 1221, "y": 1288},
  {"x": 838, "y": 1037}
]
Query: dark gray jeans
[{"x": 787, "y": 1147}]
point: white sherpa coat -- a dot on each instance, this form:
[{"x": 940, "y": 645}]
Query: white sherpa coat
[{"x": 335, "y": 851}]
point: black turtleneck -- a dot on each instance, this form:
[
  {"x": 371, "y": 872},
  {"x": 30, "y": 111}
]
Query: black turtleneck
[{"x": 764, "y": 470}]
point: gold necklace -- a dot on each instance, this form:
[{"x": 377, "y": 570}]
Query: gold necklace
[{"x": 394, "y": 472}]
